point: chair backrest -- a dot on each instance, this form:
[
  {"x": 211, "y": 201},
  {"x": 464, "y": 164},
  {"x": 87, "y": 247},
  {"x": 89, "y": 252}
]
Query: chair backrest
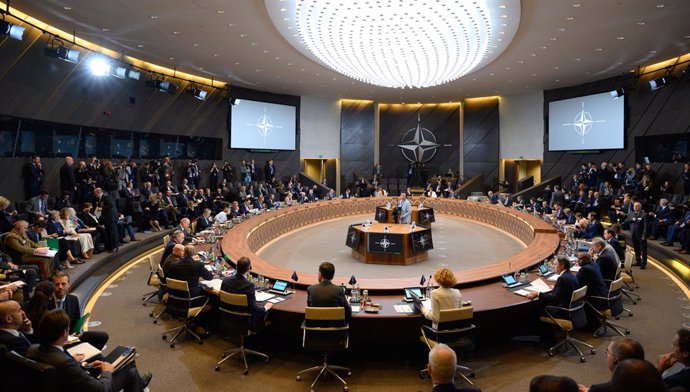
[
  {"x": 325, "y": 329},
  {"x": 577, "y": 308},
  {"x": 455, "y": 328},
  {"x": 166, "y": 239},
  {"x": 629, "y": 257},
  {"x": 179, "y": 297},
  {"x": 455, "y": 318},
  {"x": 615, "y": 302},
  {"x": 235, "y": 313},
  {"x": 21, "y": 374}
]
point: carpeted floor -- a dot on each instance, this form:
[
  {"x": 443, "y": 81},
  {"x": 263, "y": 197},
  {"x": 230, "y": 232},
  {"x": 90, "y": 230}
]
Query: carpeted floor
[
  {"x": 189, "y": 367},
  {"x": 458, "y": 243}
]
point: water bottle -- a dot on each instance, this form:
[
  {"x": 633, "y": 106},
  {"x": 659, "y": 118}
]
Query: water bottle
[
  {"x": 523, "y": 277},
  {"x": 427, "y": 293}
]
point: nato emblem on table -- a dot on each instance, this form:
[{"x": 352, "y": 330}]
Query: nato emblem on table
[
  {"x": 426, "y": 215},
  {"x": 353, "y": 237},
  {"x": 422, "y": 241},
  {"x": 384, "y": 243}
]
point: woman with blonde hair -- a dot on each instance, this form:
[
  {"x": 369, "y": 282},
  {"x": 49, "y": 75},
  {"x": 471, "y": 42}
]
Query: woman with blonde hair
[
  {"x": 446, "y": 296},
  {"x": 72, "y": 228}
]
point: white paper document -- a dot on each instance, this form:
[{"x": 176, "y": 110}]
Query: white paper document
[
  {"x": 86, "y": 349},
  {"x": 539, "y": 286},
  {"x": 403, "y": 308},
  {"x": 521, "y": 292},
  {"x": 263, "y": 296},
  {"x": 212, "y": 284}
]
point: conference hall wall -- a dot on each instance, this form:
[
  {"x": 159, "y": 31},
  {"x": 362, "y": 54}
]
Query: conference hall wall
[
  {"x": 39, "y": 87},
  {"x": 648, "y": 114}
]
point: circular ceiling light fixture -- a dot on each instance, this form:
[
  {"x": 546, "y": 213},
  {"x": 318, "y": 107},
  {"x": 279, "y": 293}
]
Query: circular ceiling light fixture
[{"x": 398, "y": 44}]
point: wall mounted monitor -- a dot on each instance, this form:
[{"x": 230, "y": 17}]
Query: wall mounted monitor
[
  {"x": 259, "y": 125},
  {"x": 591, "y": 122}
]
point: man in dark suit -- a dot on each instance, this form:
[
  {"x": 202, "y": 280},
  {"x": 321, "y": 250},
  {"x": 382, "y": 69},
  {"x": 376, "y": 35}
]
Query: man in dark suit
[
  {"x": 325, "y": 293},
  {"x": 562, "y": 291},
  {"x": 177, "y": 237},
  {"x": 660, "y": 219},
  {"x": 16, "y": 332},
  {"x": 89, "y": 219},
  {"x": 109, "y": 218},
  {"x": 53, "y": 333},
  {"x": 618, "y": 350},
  {"x": 637, "y": 220},
  {"x": 68, "y": 181},
  {"x": 442, "y": 366},
  {"x": 557, "y": 196},
  {"x": 612, "y": 239},
  {"x": 33, "y": 177},
  {"x": 269, "y": 172},
  {"x": 606, "y": 259},
  {"x": 680, "y": 354},
  {"x": 189, "y": 270},
  {"x": 70, "y": 304},
  {"x": 204, "y": 220},
  {"x": 238, "y": 283},
  {"x": 185, "y": 228}
]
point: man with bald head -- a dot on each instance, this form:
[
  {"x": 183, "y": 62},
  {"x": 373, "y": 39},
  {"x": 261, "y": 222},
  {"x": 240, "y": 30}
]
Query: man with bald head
[
  {"x": 442, "y": 366},
  {"x": 617, "y": 351},
  {"x": 186, "y": 229},
  {"x": 16, "y": 331},
  {"x": 176, "y": 255},
  {"x": 189, "y": 270}
]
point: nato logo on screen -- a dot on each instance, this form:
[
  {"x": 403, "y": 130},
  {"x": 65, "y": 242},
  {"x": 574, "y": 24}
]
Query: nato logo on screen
[
  {"x": 593, "y": 122},
  {"x": 262, "y": 125}
]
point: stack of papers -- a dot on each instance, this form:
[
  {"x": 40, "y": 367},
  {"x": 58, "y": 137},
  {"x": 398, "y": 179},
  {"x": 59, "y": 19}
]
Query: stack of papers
[
  {"x": 403, "y": 308},
  {"x": 213, "y": 284},
  {"x": 537, "y": 285},
  {"x": 263, "y": 296},
  {"x": 275, "y": 300}
]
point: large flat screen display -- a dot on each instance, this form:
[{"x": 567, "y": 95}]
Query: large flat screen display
[
  {"x": 262, "y": 126},
  {"x": 592, "y": 122}
]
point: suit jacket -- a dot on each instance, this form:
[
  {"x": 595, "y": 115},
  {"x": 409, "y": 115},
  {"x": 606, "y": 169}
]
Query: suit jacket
[
  {"x": 167, "y": 251},
  {"x": 326, "y": 294},
  {"x": 18, "y": 344},
  {"x": 34, "y": 206},
  {"x": 562, "y": 292},
  {"x": 68, "y": 181},
  {"x": 109, "y": 212},
  {"x": 88, "y": 219},
  {"x": 452, "y": 388},
  {"x": 70, "y": 375},
  {"x": 618, "y": 248},
  {"x": 238, "y": 284},
  {"x": 187, "y": 237},
  {"x": 608, "y": 264},
  {"x": 638, "y": 224},
  {"x": 603, "y": 387},
  {"x": 589, "y": 275},
  {"x": 33, "y": 177},
  {"x": 189, "y": 270},
  {"x": 71, "y": 306},
  {"x": 680, "y": 379},
  {"x": 202, "y": 223},
  {"x": 557, "y": 197}
]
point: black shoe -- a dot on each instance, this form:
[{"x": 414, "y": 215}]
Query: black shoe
[
  {"x": 146, "y": 379},
  {"x": 113, "y": 250}
]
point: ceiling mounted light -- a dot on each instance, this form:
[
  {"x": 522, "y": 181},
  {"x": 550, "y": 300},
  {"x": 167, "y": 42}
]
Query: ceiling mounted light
[
  {"x": 122, "y": 72},
  {"x": 100, "y": 65},
  {"x": 658, "y": 83},
  {"x": 11, "y": 30},
  {"x": 397, "y": 44},
  {"x": 617, "y": 93},
  {"x": 197, "y": 92},
  {"x": 162, "y": 85},
  {"x": 57, "y": 49}
]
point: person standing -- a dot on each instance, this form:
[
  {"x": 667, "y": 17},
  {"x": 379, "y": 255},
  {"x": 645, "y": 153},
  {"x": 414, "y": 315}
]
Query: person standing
[
  {"x": 33, "y": 177},
  {"x": 637, "y": 219},
  {"x": 269, "y": 172},
  {"x": 410, "y": 174},
  {"x": 405, "y": 209},
  {"x": 68, "y": 180},
  {"x": 109, "y": 217}
]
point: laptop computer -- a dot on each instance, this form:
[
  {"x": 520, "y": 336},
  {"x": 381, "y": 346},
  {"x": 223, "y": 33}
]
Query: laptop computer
[
  {"x": 409, "y": 291},
  {"x": 544, "y": 270},
  {"x": 279, "y": 287},
  {"x": 510, "y": 282}
]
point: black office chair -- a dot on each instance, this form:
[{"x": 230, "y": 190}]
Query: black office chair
[
  {"x": 454, "y": 329},
  {"x": 20, "y": 374},
  {"x": 324, "y": 330},
  {"x": 235, "y": 320},
  {"x": 614, "y": 308},
  {"x": 183, "y": 306},
  {"x": 575, "y": 319}
]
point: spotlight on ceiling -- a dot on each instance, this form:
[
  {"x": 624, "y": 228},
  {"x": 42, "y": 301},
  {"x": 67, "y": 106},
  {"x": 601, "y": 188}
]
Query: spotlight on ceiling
[
  {"x": 126, "y": 72},
  {"x": 198, "y": 93},
  {"x": 234, "y": 101},
  {"x": 100, "y": 65},
  {"x": 11, "y": 30},
  {"x": 162, "y": 85},
  {"x": 58, "y": 50},
  {"x": 658, "y": 83},
  {"x": 617, "y": 93}
]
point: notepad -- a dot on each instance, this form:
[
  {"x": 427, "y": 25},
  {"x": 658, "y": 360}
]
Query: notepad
[
  {"x": 86, "y": 349},
  {"x": 262, "y": 296},
  {"x": 539, "y": 286},
  {"x": 521, "y": 292},
  {"x": 403, "y": 308}
]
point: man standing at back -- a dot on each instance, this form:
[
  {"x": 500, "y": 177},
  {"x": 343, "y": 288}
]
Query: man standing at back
[
  {"x": 325, "y": 294},
  {"x": 405, "y": 209}
]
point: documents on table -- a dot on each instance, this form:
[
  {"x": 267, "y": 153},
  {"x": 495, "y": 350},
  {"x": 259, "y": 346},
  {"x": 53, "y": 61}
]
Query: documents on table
[
  {"x": 537, "y": 285},
  {"x": 212, "y": 284},
  {"x": 263, "y": 296},
  {"x": 403, "y": 308}
]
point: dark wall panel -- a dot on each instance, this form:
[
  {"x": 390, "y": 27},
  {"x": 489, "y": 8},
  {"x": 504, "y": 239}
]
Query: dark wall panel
[
  {"x": 356, "y": 139},
  {"x": 481, "y": 138},
  {"x": 648, "y": 113},
  {"x": 443, "y": 120}
]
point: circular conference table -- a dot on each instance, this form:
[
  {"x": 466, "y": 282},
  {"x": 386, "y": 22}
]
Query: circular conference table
[{"x": 495, "y": 308}]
